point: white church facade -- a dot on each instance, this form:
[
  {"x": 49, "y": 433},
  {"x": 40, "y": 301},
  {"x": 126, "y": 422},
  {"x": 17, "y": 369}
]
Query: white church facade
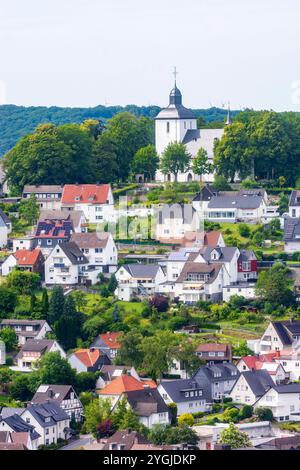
[{"x": 175, "y": 123}]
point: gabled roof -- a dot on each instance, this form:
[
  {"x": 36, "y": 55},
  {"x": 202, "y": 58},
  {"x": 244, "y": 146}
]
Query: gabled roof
[
  {"x": 48, "y": 413},
  {"x": 4, "y": 217},
  {"x": 246, "y": 255},
  {"x": 27, "y": 257},
  {"x": 199, "y": 268},
  {"x": 126, "y": 438},
  {"x": 122, "y": 384},
  {"x": 51, "y": 228},
  {"x": 286, "y": 329},
  {"x": 86, "y": 193},
  {"x": 233, "y": 202},
  {"x": 43, "y": 188},
  {"x": 37, "y": 345},
  {"x": 142, "y": 270},
  {"x": 176, "y": 390},
  {"x": 17, "y": 424},
  {"x": 291, "y": 230},
  {"x": 90, "y": 239},
  {"x": 209, "y": 347},
  {"x": 15, "y": 321},
  {"x": 57, "y": 393},
  {"x": 60, "y": 215},
  {"x": 73, "y": 253},
  {"x": 217, "y": 372},
  {"x": 295, "y": 198},
  {"x": 111, "y": 339},
  {"x": 88, "y": 357},
  {"x": 259, "y": 381},
  {"x": 146, "y": 402}
]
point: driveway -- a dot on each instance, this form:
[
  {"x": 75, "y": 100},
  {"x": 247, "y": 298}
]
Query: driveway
[{"x": 83, "y": 440}]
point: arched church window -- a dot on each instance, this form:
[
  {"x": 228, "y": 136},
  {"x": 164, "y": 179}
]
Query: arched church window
[
  {"x": 168, "y": 127},
  {"x": 185, "y": 124},
  {"x": 190, "y": 177}
]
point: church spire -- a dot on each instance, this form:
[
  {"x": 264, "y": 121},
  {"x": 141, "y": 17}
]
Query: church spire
[
  {"x": 175, "y": 94},
  {"x": 229, "y": 119}
]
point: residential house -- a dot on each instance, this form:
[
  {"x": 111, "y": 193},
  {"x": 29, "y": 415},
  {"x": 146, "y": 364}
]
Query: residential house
[
  {"x": 281, "y": 443},
  {"x": 50, "y": 421},
  {"x": 48, "y": 196},
  {"x": 120, "y": 385},
  {"x": 214, "y": 353},
  {"x": 280, "y": 335},
  {"x": 248, "y": 207},
  {"x": 24, "y": 260},
  {"x": 100, "y": 250},
  {"x": 77, "y": 218},
  {"x": 108, "y": 343},
  {"x": 124, "y": 440},
  {"x": 291, "y": 235},
  {"x": 294, "y": 204},
  {"x": 250, "y": 386},
  {"x": 27, "y": 329},
  {"x": 138, "y": 280},
  {"x": 111, "y": 372},
  {"x": 15, "y": 441},
  {"x": 217, "y": 378},
  {"x": 149, "y": 406},
  {"x": 33, "y": 350},
  {"x": 94, "y": 200},
  {"x": 283, "y": 400},
  {"x": 23, "y": 243},
  {"x": 274, "y": 369},
  {"x": 20, "y": 430},
  {"x": 88, "y": 360},
  {"x": 67, "y": 265},
  {"x": 64, "y": 395},
  {"x": 173, "y": 223},
  {"x": 189, "y": 395},
  {"x": 51, "y": 232},
  {"x": 5, "y": 228}
]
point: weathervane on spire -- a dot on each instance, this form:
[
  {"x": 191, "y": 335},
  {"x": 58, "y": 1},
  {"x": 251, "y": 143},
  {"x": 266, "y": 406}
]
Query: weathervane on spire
[{"x": 175, "y": 73}]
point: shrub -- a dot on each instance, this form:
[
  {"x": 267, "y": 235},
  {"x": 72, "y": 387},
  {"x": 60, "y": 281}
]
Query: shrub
[
  {"x": 264, "y": 414},
  {"x": 246, "y": 412},
  {"x": 244, "y": 230},
  {"x": 186, "y": 419}
]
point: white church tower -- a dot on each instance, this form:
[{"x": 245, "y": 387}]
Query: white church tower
[{"x": 175, "y": 123}]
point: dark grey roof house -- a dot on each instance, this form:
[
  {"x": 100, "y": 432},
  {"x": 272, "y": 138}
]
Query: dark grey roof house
[
  {"x": 149, "y": 406},
  {"x": 218, "y": 378},
  {"x": 64, "y": 395}
]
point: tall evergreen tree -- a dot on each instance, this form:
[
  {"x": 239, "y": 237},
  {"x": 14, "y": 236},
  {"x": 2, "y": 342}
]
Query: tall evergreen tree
[
  {"x": 45, "y": 303},
  {"x": 56, "y": 304}
]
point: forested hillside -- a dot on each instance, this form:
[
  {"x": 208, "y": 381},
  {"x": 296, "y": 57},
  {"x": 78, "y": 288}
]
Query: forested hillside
[{"x": 17, "y": 121}]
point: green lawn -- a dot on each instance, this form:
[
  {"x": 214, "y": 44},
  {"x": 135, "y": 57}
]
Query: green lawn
[{"x": 131, "y": 307}]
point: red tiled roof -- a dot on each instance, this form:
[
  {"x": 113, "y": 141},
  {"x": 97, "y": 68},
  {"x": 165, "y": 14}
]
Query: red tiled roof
[
  {"x": 250, "y": 361},
  {"x": 211, "y": 238},
  {"x": 88, "y": 193},
  {"x": 27, "y": 257},
  {"x": 124, "y": 383},
  {"x": 149, "y": 383},
  {"x": 111, "y": 340},
  {"x": 88, "y": 357}
]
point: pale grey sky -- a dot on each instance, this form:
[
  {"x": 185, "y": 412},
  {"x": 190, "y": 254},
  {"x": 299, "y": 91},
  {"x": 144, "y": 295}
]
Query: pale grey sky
[{"x": 89, "y": 52}]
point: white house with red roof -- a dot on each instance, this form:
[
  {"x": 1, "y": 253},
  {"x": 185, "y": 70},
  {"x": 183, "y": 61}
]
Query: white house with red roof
[
  {"x": 94, "y": 200},
  {"x": 88, "y": 360},
  {"x": 108, "y": 343},
  {"x": 24, "y": 260},
  {"x": 274, "y": 369}
]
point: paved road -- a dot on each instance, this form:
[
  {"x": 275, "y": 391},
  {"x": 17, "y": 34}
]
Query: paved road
[{"x": 83, "y": 440}]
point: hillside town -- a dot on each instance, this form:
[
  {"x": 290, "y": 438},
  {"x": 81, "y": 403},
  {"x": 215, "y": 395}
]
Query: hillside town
[{"x": 161, "y": 313}]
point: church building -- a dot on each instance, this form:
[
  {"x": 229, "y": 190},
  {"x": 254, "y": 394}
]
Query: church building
[{"x": 175, "y": 123}]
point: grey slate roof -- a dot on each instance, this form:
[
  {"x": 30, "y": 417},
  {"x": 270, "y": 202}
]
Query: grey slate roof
[
  {"x": 146, "y": 402},
  {"x": 56, "y": 393},
  {"x": 226, "y": 253},
  {"x": 43, "y": 188},
  {"x": 18, "y": 424},
  {"x": 4, "y": 217},
  {"x": 295, "y": 198},
  {"x": 259, "y": 381},
  {"x": 176, "y": 388},
  {"x": 291, "y": 230},
  {"x": 90, "y": 239},
  {"x": 73, "y": 252},
  {"x": 37, "y": 345},
  {"x": 50, "y": 409},
  {"x": 228, "y": 372},
  {"x": 175, "y": 110},
  {"x": 246, "y": 255},
  {"x": 286, "y": 329},
  {"x": 142, "y": 270},
  {"x": 206, "y": 193},
  {"x": 74, "y": 216},
  {"x": 288, "y": 388},
  {"x": 14, "y": 321},
  {"x": 232, "y": 202}
]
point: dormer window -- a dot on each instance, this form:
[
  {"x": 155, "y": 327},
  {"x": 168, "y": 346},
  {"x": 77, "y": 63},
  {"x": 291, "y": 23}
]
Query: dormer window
[{"x": 77, "y": 198}]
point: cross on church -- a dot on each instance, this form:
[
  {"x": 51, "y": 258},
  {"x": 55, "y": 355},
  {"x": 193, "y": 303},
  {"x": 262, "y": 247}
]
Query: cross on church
[{"x": 175, "y": 73}]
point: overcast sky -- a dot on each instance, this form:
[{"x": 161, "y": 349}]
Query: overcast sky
[{"x": 90, "y": 52}]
